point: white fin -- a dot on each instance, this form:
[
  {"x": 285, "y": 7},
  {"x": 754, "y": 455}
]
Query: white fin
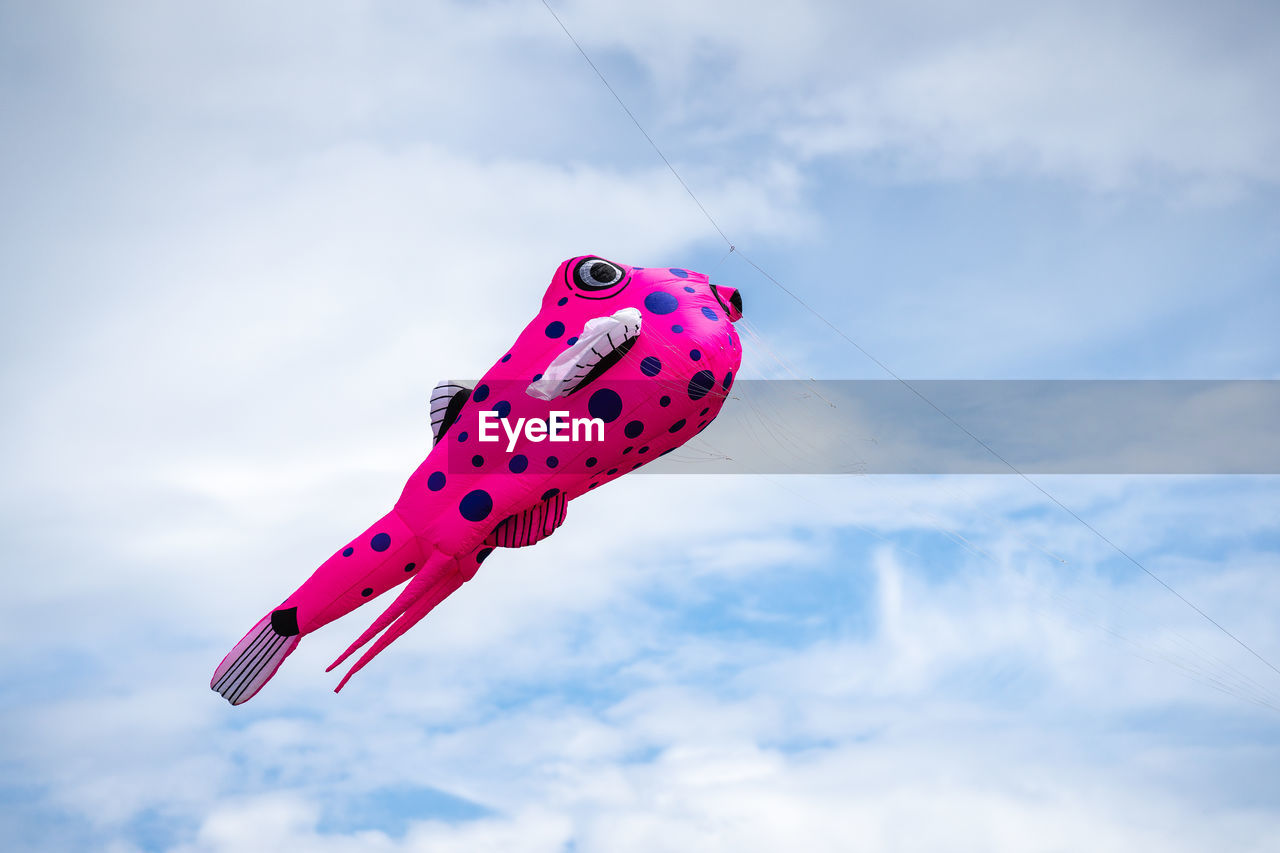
[
  {"x": 601, "y": 337},
  {"x": 443, "y": 408},
  {"x": 252, "y": 662}
]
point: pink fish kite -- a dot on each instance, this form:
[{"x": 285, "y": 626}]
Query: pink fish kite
[{"x": 620, "y": 366}]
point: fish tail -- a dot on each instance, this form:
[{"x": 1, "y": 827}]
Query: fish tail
[
  {"x": 255, "y": 659},
  {"x": 381, "y": 558}
]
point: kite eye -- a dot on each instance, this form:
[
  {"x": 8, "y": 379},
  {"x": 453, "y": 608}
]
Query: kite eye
[{"x": 597, "y": 274}]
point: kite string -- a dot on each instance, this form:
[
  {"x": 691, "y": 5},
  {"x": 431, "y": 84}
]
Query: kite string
[
  {"x": 639, "y": 126},
  {"x": 732, "y": 248}
]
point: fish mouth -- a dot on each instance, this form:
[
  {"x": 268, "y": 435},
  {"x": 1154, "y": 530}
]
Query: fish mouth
[
  {"x": 604, "y": 342},
  {"x": 730, "y": 299}
]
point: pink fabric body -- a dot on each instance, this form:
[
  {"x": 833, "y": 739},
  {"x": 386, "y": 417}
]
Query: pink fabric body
[
  {"x": 687, "y": 343},
  {"x": 646, "y": 399}
]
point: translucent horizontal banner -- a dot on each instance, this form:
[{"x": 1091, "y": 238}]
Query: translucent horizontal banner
[{"x": 1040, "y": 427}]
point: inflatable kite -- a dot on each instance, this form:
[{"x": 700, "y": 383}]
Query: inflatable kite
[{"x": 620, "y": 366}]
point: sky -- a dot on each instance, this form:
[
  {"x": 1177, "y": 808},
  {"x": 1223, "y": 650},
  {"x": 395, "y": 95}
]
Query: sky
[{"x": 239, "y": 244}]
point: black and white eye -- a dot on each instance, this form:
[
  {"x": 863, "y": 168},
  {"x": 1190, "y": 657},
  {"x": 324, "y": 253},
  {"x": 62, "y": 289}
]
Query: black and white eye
[{"x": 597, "y": 274}]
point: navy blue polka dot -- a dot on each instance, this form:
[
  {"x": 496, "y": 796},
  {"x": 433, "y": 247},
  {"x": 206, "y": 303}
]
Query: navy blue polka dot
[
  {"x": 518, "y": 463},
  {"x": 633, "y": 429},
  {"x": 503, "y": 408},
  {"x": 701, "y": 383},
  {"x": 481, "y": 392},
  {"x": 571, "y": 341},
  {"x": 644, "y": 449},
  {"x": 555, "y": 329},
  {"x": 650, "y": 366},
  {"x": 537, "y": 376},
  {"x": 564, "y": 300},
  {"x": 462, "y": 436},
  {"x": 728, "y": 380},
  {"x": 611, "y": 472},
  {"x": 552, "y": 462},
  {"x": 549, "y": 494},
  {"x": 477, "y": 460},
  {"x": 696, "y": 355},
  {"x": 709, "y": 314},
  {"x": 664, "y": 401},
  {"x": 592, "y": 486},
  {"x": 680, "y": 273},
  {"x": 627, "y": 450},
  {"x": 677, "y": 426},
  {"x": 408, "y": 567},
  {"x": 605, "y": 404},
  {"x": 688, "y": 289},
  {"x": 704, "y": 411},
  {"x": 367, "y": 591},
  {"x": 677, "y": 328},
  {"x": 347, "y": 552},
  {"x": 483, "y": 554},
  {"x": 380, "y": 542},
  {"x": 507, "y": 357},
  {"x": 591, "y": 461},
  {"x": 476, "y": 505},
  {"x": 436, "y": 481},
  {"x": 637, "y": 465},
  {"x": 661, "y": 302}
]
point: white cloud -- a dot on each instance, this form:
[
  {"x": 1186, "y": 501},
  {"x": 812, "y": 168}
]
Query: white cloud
[
  {"x": 1112, "y": 94},
  {"x": 248, "y": 243},
  {"x": 972, "y": 689}
]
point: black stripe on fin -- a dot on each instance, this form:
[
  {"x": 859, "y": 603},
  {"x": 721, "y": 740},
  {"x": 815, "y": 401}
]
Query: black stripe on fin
[
  {"x": 447, "y": 401},
  {"x": 531, "y": 525}
]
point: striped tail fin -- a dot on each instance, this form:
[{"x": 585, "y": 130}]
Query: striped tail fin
[{"x": 254, "y": 660}]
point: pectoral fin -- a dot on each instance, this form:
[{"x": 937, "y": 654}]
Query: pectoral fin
[
  {"x": 446, "y": 402},
  {"x": 533, "y": 525},
  {"x": 602, "y": 344}
]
